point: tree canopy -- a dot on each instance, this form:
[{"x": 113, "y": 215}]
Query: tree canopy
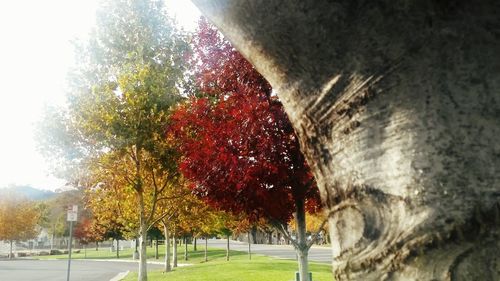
[
  {"x": 238, "y": 147},
  {"x": 238, "y": 129},
  {"x": 19, "y": 218},
  {"x": 129, "y": 74}
]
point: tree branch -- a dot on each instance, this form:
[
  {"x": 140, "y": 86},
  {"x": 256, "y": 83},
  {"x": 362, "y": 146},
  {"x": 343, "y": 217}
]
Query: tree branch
[
  {"x": 155, "y": 197},
  {"x": 161, "y": 218},
  {"x": 316, "y": 234},
  {"x": 281, "y": 228}
]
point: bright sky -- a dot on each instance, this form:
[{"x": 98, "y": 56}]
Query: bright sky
[{"x": 35, "y": 53}]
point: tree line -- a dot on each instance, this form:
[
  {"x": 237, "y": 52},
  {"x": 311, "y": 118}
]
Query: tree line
[{"x": 175, "y": 131}]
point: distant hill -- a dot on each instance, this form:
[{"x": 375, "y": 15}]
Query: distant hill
[{"x": 29, "y": 192}]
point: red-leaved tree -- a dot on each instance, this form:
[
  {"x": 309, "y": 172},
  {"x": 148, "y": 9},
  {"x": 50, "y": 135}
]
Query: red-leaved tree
[
  {"x": 87, "y": 230},
  {"x": 238, "y": 147}
]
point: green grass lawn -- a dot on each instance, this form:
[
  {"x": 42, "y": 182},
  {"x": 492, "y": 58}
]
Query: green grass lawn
[
  {"x": 106, "y": 253},
  {"x": 239, "y": 268}
]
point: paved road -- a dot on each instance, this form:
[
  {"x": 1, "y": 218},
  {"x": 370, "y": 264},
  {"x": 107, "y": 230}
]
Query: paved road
[
  {"x": 318, "y": 254},
  {"x": 55, "y": 270}
]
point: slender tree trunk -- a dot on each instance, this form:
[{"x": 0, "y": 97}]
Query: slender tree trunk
[
  {"x": 156, "y": 249},
  {"x": 136, "y": 249},
  {"x": 117, "y": 248},
  {"x": 195, "y": 244},
  {"x": 302, "y": 249},
  {"x": 52, "y": 237},
  {"x": 227, "y": 248},
  {"x": 11, "y": 253},
  {"x": 254, "y": 234},
  {"x": 396, "y": 105},
  {"x": 96, "y": 245},
  {"x": 167, "y": 267},
  {"x": 174, "y": 252},
  {"x": 249, "y": 246},
  {"x": 206, "y": 249},
  {"x": 185, "y": 248},
  {"x": 143, "y": 272}
]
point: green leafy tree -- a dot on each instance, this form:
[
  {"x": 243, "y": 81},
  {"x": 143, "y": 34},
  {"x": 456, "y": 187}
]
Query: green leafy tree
[
  {"x": 128, "y": 75},
  {"x": 53, "y": 213}
]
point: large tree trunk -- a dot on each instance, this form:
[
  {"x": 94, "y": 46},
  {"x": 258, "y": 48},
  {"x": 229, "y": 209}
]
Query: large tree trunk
[{"x": 397, "y": 107}]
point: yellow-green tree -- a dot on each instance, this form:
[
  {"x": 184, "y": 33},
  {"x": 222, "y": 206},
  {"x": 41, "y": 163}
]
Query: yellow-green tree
[
  {"x": 187, "y": 216},
  {"x": 18, "y": 219},
  {"x": 315, "y": 225},
  {"x": 112, "y": 196},
  {"x": 128, "y": 75},
  {"x": 54, "y": 213}
]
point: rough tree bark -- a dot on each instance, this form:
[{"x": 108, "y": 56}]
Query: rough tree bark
[{"x": 397, "y": 107}]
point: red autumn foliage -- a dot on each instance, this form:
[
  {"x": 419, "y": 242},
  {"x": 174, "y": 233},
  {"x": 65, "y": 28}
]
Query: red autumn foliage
[
  {"x": 222, "y": 70},
  {"x": 87, "y": 231},
  {"x": 238, "y": 147}
]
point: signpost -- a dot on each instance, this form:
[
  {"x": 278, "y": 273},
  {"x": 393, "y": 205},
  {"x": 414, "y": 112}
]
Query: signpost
[{"x": 72, "y": 216}]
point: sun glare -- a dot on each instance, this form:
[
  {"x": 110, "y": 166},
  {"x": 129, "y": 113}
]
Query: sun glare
[{"x": 35, "y": 53}]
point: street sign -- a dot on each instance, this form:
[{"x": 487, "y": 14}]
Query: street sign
[{"x": 72, "y": 213}]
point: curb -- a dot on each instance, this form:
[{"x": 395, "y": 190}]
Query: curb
[
  {"x": 120, "y": 276},
  {"x": 136, "y": 261}
]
